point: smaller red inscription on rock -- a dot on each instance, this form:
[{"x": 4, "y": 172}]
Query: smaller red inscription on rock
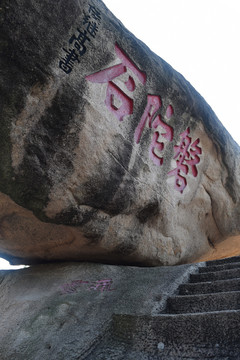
[
  {"x": 186, "y": 154},
  {"x": 102, "y": 285},
  {"x": 99, "y": 285},
  {"x": 72, "y": 286}
]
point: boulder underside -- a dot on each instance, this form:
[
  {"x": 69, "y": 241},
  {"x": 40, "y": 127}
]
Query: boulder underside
[{"x": 107, "y": 154}]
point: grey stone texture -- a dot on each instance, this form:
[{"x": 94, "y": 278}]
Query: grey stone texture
[
  {"x": 107, "y": 154},
  {"x": 105, "y": 312},
  {"x": 48, "y": 313}
]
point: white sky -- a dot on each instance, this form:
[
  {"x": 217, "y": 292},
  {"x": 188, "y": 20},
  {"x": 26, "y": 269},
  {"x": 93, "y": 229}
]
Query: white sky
[
  {"x": 198, "y": 38},
  {"x": 4, "y": 265}
]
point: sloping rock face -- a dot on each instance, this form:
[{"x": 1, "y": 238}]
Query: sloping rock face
[
  {"x": 106, "y": 152},
  {"x": 62, "y": 311},
  {"x": 104, "y": 312}
]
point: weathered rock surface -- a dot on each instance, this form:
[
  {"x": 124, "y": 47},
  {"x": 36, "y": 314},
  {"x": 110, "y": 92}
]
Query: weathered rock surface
[
  {"x": 105, "y": 312},
  {"x": 48, "y": 313},
  {"x": 106, "y": 152},
  {"x": 227, "y": 248}
]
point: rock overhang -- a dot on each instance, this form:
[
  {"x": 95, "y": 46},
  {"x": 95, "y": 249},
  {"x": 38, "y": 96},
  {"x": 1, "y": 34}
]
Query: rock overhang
[{"x": 107, "y": 152}]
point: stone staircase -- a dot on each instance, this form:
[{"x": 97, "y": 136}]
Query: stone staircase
[
  {"x": 206, "y": 313},
  {"x": 215, "y": 288},
  {"x": 201, "y": 321}
]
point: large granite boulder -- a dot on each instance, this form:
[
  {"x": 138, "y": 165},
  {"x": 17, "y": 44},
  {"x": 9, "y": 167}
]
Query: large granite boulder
[{"x": 106, "y": 152}]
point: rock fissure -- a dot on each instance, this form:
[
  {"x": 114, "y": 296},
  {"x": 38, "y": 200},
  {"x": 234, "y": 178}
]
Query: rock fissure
[
  {"x": 212, "y": 210},
  {"x": 139, "y": 181}
]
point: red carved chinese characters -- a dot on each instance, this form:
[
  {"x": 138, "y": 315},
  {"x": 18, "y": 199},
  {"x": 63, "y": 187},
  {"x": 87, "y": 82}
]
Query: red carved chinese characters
[
  {"x": 154, "y": 103},
  {"x": 114, "y": 94},
  {"x": 72, "y": 286},
  {"x": 102, "y": 285},
  {"x": 99, "y": 285},
  {"x": 186, "y": 154},
  {"x": 120, "y": 103},
  {"x": 168, "y": 135}
]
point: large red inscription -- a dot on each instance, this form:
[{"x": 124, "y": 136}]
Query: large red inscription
[
  {"x": 186, "y": 156},
  {"x": 114, "y": 94},
  {"x": 120, "y": 103}
]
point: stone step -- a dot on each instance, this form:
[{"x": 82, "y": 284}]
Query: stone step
[
  {"x": 212, "y": 276},
  {"x": 203, "y": 302},
  {"x": 209, "y": 287},
  {"x": 232, "y": 259},
  {"x": 115, "y": 349},
  {"x": 220, "y": 327},
  {"x": 197, "y": 336},
  {"x": 219, "y": 267}
]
